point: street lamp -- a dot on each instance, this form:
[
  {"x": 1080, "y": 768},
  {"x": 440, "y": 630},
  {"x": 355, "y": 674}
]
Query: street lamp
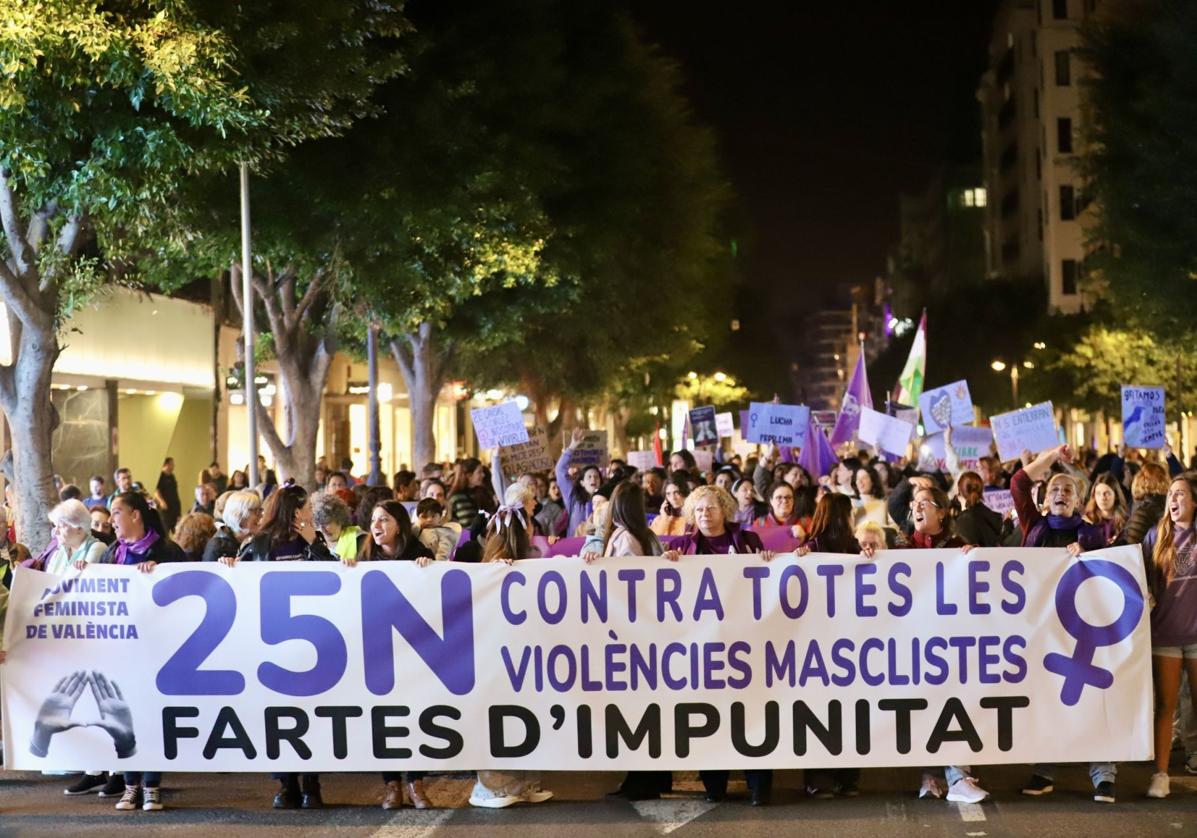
[{"x": 1000, "y": 366}]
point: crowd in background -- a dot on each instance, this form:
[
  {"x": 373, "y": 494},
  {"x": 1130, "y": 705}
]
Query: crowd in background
[{"x": 465, "y": 511}]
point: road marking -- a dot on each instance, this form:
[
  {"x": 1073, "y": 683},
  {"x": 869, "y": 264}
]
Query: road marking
[
  {"x": 413, "y": 823},
  {"x": 971, "y": 811},
  {"x": 673, "y": 813}
]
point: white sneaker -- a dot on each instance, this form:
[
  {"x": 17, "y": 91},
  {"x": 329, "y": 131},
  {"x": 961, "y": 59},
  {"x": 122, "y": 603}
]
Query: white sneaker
[
  {"x": 151, "y": 799},
  {"x": 966, "y": 790},
  {"x": 130, "y": 800},
  {"x": 931, "y": 787},
  {"x": 499, "y": 802},
  {"x": 537, "y": 796},
  {"x": 1191, "y": 763},
  {"x": 1159, "y": 787}
]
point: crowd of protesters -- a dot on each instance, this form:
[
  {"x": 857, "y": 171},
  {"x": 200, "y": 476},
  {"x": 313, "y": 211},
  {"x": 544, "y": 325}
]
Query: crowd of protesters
[{"x": 464, "y": 511}]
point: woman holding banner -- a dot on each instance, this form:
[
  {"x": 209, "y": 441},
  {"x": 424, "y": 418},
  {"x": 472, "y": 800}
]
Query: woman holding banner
[
  {"x": 509, "y": 539},
  {"x": 1058, "y": 524},
  {"x": 141, "y": 542},
  {"x": 1170, "y": 552},
  {"x": 933, "y": 530},
  {"x": 710, "y": 512}
]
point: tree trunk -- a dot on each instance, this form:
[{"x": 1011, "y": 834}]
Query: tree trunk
[
  {"x": 304, "y": 358},
  {"x": 31, "y": 421},
  {"x": 424, "y": 365}
]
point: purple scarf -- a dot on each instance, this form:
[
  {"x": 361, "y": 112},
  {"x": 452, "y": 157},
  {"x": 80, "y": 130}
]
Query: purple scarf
[
  {"x": 137, "y": 548},
  {"x": 1064, "y": 522}
]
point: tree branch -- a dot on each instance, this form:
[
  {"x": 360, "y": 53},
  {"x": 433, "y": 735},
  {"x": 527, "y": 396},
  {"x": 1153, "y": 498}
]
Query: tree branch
[
  {"x": 18, "y": 298},
  {"x": 235, "y": 287},
  {"x": 10, "y": 217},
  {"x": 319, "y": 280},
  {"x": 40, "y": 225}
]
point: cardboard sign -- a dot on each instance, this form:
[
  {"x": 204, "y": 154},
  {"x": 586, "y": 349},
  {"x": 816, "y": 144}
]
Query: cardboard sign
[
  {"x": 724, "y": 424},
  {"x": 971, "y": 445},
  {"x": 782, "y": 424},
  {"x": 1032, "y": 428},
  {"x": 999, "y": 500},
  {"x": 498, "y": 425},
  {"x": 703, "y": 429},
  {"x": 591, "y": 451},
  {"x": 1143, "y": 418},
  {"x": 945, "y": 407},
  {"x": 704, "y": 458},
  {"x": 642, "y": 460},
  {"x": 533, "y": 455},
  {"x": 888, "y": 433}
]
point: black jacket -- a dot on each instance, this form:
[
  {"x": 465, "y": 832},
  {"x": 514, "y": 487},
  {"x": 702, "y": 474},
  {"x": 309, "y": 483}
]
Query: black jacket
[{"x": 980, "y": 525}]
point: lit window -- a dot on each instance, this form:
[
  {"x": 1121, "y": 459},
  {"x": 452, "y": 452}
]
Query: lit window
[
  {"x": 974, "y": 197},
  {"x": 979, "y": 196}
]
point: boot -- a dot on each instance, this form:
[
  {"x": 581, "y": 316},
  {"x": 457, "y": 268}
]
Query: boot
[
  {"x": 311, "y": 794},
  {"x": 392, "y": 797},
  {"x": 415, "y": 792},
  {"x": 288, "y": 796}
]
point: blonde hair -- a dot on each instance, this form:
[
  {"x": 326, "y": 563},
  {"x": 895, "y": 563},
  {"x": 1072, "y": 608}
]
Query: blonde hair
[
  {"x": 870, "y": 527},
  {"x": 726, "y": 503},
  {"x": 1078, "y": 501}
]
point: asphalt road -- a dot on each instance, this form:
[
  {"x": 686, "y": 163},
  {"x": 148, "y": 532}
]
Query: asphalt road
[{"x": 239, "y": 805}]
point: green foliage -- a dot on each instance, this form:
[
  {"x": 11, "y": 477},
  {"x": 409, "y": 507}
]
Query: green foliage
[
  {"x": 1092, "y": 370},
  {"x": 1141, "y": 161}
]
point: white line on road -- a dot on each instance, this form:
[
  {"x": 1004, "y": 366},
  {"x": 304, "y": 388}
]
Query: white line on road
[
  {"x": 413, "y": 823},
  {"x": 971, "y": 811},
  {"x": 671, "y": 813}
]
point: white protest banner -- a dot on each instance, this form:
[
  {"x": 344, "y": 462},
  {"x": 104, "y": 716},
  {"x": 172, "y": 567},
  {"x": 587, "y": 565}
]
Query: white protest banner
[
  {"x": 1000, "y": 501},
  {"x": 781, "y": 424},
  {"x": 533, "y": 455},
  {"x": 642, "y": 460},
  {"x": 1143, "y": 418},
  {"x": 725, "y": 425},
  {"x": 500, "y": 424},
  {"x": 1032, "y": 428},
  {"x": 931, "y": 657},
  {"x": 591, "y": 451},
  {"x": 886, "y": 432},
  {"x": 946, "y": 406}
]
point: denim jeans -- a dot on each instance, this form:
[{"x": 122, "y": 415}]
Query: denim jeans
[{"x": 1099, "y": 772}]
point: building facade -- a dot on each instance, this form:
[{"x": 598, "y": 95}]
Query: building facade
[{"x": 1031, "y": 127}]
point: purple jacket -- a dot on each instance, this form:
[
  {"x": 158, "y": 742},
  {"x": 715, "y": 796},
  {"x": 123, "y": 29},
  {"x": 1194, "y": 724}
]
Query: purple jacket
[
  {"x": 577, "y": 508},
  {"x": 745, "y": 541}
]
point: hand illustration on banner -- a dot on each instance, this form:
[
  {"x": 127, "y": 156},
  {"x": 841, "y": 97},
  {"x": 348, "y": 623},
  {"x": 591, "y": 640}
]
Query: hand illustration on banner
[
  {"x": 56, "y": 711},
  {"x": 1078, "y": 670}
]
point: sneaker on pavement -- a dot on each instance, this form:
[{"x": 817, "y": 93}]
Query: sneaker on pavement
[
  {"x": 1038, "y": 785},
  {"x": 130, "y": 800},
  {"x": 966, "y": 790},
  {"x": 822, "y": 792},
  {"x": 151, "y": 799},
  {"x": 115, "y": 787},
  {"x": 1104, "y": 793},
  {"x": 931, "y": 787},
  {"x": 88, "y": 783},
  {"x": 501, "y": 801},
  {"x": 537, "y": 796},
  {"x": 1160, "y": 786}
]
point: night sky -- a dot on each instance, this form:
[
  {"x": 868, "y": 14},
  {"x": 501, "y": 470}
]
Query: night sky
[{"x": 825, "y": 112}]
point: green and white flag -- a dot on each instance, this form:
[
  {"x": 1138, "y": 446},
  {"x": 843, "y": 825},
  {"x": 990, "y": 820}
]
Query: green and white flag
[{"x": 910, "y": 382}]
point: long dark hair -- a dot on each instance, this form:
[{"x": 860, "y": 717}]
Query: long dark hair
[
  {"x": 149, "y": 516},
  {"x": 403, "y": 537},
  {"x": 627, "y": 511},
  {"x": 278, "y": 513},
  {"x": 1121, "y": 514},
  {"x": 832, "y": 524},
  {"x": 371, "y": 497},
  {"x": 510, "y": 542}
]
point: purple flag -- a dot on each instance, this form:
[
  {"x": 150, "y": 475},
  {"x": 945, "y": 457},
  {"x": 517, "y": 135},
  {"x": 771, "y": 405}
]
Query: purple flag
[
  {"x": 818, "y": 457},
  {"x": 855, "y": 397}
]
